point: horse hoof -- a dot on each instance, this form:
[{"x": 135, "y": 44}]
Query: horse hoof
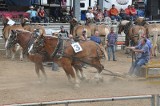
[
  {"x": 101, "y": 80},
  {"x": 76, "y": 86},
  {"x": 13, "y": 59},
  {"x": 83, "y": 78}
]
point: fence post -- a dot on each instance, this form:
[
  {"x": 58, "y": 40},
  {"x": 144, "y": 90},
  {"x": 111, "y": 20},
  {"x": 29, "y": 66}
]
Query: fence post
[
  {"x": 153, "y": 100},
  {"x": 157, "y": 102},
  {"x": 66, "y": 104}
]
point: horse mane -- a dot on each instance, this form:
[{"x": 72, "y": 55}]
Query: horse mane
[
  {"x": 127, "y": 27},
  {"x": 23, "y": 31}
]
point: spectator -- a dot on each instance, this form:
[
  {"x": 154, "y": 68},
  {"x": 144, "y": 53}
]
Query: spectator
[
  {"x": 128, "y": 12},
  {"x": 71, "y": 12},
  {"x": 33, "y": 15},
  {"x": 133, "y": 12},
  {"x": 99, "y": 16},
  {"x": 142, "y": 58},
  {"x": 63, "y": 32},
  {"x": 41, "y": 14},
  {"x": 96, "y": 37},
  {"x": 123, "y": 14},
  {"x": 89, "y": 15},
  {"x": 111, "y": 42},
  {"x": 94, "y": 10},
  {"x": 114, "y": 13},
  {"x": 106, "y": 13}
]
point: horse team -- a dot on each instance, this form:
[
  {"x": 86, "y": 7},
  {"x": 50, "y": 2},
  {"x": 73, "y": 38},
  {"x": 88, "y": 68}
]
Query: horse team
[
  {"x": 134, "y": 31},
  {"x": 44, "y": 49}
]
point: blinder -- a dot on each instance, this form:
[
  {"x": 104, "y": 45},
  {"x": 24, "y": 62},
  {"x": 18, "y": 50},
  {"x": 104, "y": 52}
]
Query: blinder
[{"x": 13, "y": 38}]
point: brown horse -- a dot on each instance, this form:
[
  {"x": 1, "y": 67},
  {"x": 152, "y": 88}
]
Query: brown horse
[
  {"x": 92, "y": 54},
  {"x": 132, "y": 32},
  {"x": 152, "y": 32},
  {"x": 27, "y": 26},
  {"x": 6, "y": 32},
  {"x": 25, "y": 39},
  {"x": 90, "y": 29}
]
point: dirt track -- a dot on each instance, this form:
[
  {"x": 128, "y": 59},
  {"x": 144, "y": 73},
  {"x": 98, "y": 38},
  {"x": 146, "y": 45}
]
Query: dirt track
[{"x": 19, "y": 84}]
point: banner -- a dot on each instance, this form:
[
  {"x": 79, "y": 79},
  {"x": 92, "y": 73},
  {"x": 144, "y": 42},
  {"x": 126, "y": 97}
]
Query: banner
[{"x": 118, "y": 3}]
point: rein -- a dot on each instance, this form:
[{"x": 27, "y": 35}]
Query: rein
[
  {"x": 56, "y": 49},
  {"x": 29, "y": 43}
]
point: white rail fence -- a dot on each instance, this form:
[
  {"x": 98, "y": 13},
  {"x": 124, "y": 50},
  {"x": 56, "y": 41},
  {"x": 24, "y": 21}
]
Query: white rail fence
[{"x": 154, "y": 101}]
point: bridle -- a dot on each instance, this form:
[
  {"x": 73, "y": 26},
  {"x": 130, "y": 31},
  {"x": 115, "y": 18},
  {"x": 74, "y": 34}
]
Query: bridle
[{"x": 13, "y": 39}]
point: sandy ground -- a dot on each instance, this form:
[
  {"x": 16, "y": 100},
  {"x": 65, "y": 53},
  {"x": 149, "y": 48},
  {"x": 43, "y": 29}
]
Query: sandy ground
[{"x": 19, "y": 84}]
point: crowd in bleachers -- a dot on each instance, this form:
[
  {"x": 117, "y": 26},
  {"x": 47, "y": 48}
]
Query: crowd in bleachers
[
  {"x": 32, "y": 14},
  {"x": 14, "y": 14},
  {"x": 96, "y": 14}
]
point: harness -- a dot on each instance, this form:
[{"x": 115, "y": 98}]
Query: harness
[
  {"x": 29, "y": 43},
  {"x": 73, "y": 57}
]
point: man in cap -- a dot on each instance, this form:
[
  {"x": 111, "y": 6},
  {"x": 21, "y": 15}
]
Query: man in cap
[
  {"x": 33, "y": 15},
  {"x": 111, "y": 40},
  {"x": 63, "y": 33},
  {"x": 143, "y": 56},
  {"x": 89, "y": 15},
  {"x": 133, "y": 12}
]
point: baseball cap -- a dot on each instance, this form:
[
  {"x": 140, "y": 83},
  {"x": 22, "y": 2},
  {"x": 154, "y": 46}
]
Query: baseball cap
[{"x": 31, "y": 7}]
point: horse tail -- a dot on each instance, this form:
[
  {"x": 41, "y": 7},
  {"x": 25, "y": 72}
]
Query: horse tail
[{"x": 103, "y": 51}]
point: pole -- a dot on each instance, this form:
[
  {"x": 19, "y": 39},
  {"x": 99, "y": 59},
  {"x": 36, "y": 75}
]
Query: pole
[
  {"x": 157, "y": 102},
  {"x": 153, "y": 100},
  {"x": 100, "y": 4},
  {"x": 76, "y": 9}
]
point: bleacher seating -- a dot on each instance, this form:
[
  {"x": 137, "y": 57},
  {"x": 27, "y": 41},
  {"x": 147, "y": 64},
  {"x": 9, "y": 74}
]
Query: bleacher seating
[{"x": 14, "y": 15}]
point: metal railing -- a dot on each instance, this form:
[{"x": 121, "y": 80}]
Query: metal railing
[{"x": 152, "y": 98}]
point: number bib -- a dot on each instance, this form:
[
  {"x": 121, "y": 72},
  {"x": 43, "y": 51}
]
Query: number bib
[{"x": 76, "y": 47}]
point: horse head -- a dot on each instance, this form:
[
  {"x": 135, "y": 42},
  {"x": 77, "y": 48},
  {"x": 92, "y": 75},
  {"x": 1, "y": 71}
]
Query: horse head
[
  {"x": 74, "y": 22},
  {"x": 12, "y": 39},
  {"x": 140, "y": 21},
  {"x": 25, "y": 21},
  {"x": 122, "y": 25}
]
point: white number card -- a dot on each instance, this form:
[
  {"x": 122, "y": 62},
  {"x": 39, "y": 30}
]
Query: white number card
[
  {"x": 11, "y": 22},
  {"x": 77, "y": 47}
]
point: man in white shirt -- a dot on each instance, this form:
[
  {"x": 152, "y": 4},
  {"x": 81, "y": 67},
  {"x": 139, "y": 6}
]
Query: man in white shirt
[{"x": 89, "y": 15}]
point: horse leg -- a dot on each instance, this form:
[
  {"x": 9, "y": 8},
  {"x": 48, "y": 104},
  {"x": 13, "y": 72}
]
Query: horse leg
[
  {"x": 99, "y": 68},
  {"x": 77, "y": 72},
  {"x": 21, "y": 54},
  {"x": 37, "y": 71},
  {"x": 83, "y": 76},
  {"x": 66, "y": 64},
  {"x": 43, "y": 71},
  {"x": 7, "y": 53},
  {"x": 13, "y": 55},
  {"x": 155, "y": 51}
]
